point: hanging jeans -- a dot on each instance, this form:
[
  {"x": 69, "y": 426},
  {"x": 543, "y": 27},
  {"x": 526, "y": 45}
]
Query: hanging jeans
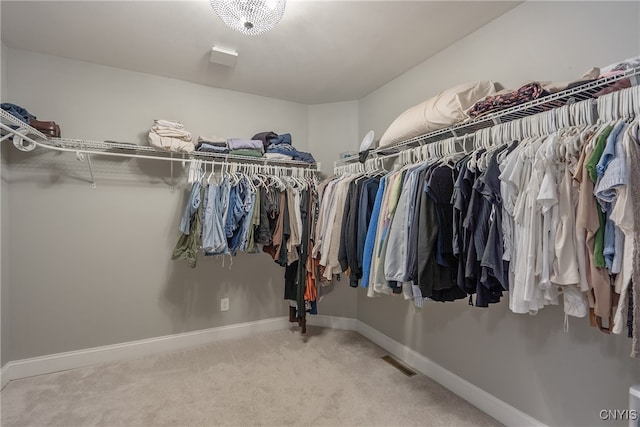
[
  {"x": 241, "y": 213},
  {"x": 191, "y": 207},
  {"x": 213, "y": 237},
  {"x": 250, "y": 206}
]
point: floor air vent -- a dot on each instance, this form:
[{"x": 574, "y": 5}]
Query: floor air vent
[{"x": 399, "y": 366}]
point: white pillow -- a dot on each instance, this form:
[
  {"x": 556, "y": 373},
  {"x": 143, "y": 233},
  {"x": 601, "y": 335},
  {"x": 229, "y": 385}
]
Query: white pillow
[{"x": 443, "y": 110}]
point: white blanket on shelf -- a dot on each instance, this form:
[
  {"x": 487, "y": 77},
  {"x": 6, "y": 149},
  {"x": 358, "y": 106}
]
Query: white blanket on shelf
[{"x": 170, "y": 144}]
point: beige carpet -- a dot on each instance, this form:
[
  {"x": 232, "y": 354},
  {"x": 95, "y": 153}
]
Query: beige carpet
[{"x": 332, "y": 378}]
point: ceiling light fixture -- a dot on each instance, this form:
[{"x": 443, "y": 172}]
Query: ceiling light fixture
[{"x": 249, "y": 17}]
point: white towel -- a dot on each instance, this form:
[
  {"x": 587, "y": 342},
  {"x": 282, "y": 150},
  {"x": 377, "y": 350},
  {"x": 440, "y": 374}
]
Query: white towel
[
  {"x": 170, "y": 129},
  {"x": 172, "y": 133},
  {"x": 168, "y": 124}
]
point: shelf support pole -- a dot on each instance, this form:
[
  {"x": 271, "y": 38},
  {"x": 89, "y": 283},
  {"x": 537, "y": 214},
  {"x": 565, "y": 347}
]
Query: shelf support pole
[
  {"x": 93, "y": 180},
  {"x": 171, "y": 187}
]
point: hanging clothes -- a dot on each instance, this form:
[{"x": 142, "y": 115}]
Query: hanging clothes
[
  {"x": 544, "y": 213},
  {"x": 232, "y": 214}
]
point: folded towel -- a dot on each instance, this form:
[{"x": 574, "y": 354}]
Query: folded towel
[
  {"x": 213, "y": 140},
  {"x": 170, "y": 144},
  {"x": 277, "y": 156},
  {"x": 246, "y": 152},
  {"x": 167, "y": 128},
  {"x": 168, "y": 124},
  {"x": 239, "y": 144},
  {"x": 172, "y": 133}
]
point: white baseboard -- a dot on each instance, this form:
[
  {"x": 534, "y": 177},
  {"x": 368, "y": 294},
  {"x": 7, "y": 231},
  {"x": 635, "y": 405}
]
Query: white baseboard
[
  {"x": 114, "y": 353},
  {"x": 487, "y": 402},
  {"x": 333, "y": 322}
]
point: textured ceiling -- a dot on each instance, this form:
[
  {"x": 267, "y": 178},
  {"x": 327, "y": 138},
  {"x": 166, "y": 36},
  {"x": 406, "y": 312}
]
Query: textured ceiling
[{"x": 321, "y": 51}]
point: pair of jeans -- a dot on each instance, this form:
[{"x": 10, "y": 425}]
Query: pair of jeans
[
  {"x": 239, "y": 204},
  {"x": 213, "y": 238},
  {"x": 250, "y": 205},
  {"x": 192, "y": 206}
]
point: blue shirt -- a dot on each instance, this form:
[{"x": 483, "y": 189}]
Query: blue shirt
[{"x": 369, "y": 242}]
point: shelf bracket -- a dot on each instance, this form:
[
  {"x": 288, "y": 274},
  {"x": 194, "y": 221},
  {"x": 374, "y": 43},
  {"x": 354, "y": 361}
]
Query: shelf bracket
[
  {"x": 93, "y": 180},
  {"x": 171, "y": 186},
  {"x": 80, "y": 157}
]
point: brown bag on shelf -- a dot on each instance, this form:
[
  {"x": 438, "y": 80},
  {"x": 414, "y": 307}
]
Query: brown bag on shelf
[{"x": 50, "y": 129}]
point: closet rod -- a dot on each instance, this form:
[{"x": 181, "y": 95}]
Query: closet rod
[
  {"x": 552, "y": 101},
  {"x": 256, "y": 160}
]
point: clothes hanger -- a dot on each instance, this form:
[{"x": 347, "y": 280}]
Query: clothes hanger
[
  {"x": 203, "y": 174},
  {"x": 451, "y": 155},
  {"x": 539, "y": 128},
  {"x": 254, "y": 170},
  {"x": 212, "y": 169},
  {"x": 635, "y": 97},
  {"x": 301, "y": 182},
  {"x": 491, "y": 142}
]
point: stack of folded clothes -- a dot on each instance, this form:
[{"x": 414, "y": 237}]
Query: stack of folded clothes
[
  {"x": 212, "y": 144},
  {"x": 245, "y": 147},
  {"x": 170, "y": 136},
  {"x": 281, "y": 148},
  {"x": 266, "y": 138}
]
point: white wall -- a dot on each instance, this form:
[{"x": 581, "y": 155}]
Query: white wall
[
  {"x": 114, "y": 242},
  {"x": 558, "y": 378},
  {"x": 3, "y": 73},
  {"x": 333, "y": 129},
  {"x": 92, "y": 267},
  {"x": 4, "y": 223},
  {"x": 92, "y": 101},
  {"x": 538, "y": 40}
]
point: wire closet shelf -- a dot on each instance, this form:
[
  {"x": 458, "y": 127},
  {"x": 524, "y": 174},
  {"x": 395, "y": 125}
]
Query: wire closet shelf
[
  {"x": 468, "y": 128},
  {"x": 27, "y": 138}
]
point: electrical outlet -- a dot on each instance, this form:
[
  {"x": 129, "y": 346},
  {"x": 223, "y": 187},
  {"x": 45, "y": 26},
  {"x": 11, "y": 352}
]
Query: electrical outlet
[{"x": 224, "y": 304}]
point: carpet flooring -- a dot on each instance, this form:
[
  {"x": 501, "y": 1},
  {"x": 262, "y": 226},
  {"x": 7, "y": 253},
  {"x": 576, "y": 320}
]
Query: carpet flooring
[{"x": 330, "y": 378}]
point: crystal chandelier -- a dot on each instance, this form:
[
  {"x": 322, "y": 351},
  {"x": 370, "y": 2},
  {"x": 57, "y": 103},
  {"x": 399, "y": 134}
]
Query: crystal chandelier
[{"x": 249, "y": 17}]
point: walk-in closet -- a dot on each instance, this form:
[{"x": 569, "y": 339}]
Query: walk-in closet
[{"x": 345, "y": 213}]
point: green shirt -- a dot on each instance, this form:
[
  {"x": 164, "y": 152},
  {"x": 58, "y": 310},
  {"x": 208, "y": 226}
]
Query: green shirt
[{"x": 590, "y": 165}]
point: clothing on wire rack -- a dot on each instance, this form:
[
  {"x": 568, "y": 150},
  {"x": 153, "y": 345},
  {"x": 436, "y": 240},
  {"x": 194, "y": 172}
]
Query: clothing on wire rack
[
  {"x": 547, "y": 216},
  {"x": 235, "y": 211},
  {"x": 170, "y": 136}
]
